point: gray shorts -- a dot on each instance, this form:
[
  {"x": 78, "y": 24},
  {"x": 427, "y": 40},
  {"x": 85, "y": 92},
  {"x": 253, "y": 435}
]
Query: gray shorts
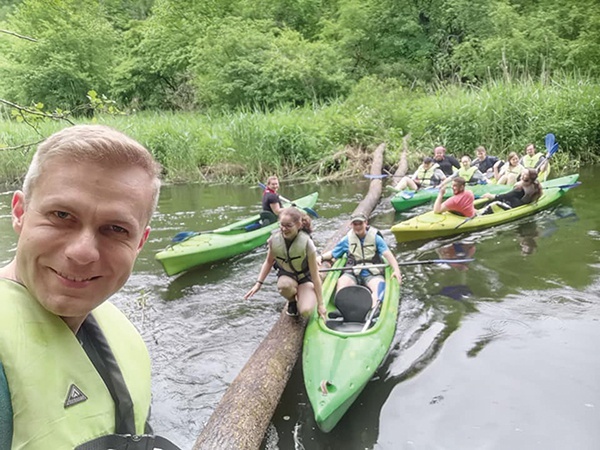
[{"x": 363, "y": 281}]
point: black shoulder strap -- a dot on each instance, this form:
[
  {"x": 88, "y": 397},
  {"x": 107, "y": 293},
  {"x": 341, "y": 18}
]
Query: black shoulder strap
[
  {"x": 96, "y": 346},
  {"x": 128, "y": 442}
]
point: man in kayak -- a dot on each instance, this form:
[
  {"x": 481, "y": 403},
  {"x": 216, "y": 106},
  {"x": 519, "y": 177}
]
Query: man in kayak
[
  {"x": 74, "y": 372},
  {"x": 460, "y": 203},
  {"x": 427, "y": 174},
  {"x": 447, "y": 163},
  {"x": 364, "y": 245},
  {"x": 293, "y": 254},
  {"x": 535, "y": 160},
  {"x": 484, "y": 162}
]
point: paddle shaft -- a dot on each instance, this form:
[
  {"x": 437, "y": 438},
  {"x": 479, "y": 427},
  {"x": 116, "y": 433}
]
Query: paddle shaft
[{"x": 403, "y": 263}]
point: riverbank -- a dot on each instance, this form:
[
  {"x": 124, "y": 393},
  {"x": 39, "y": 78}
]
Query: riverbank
[{"x": 335, "y": 140}]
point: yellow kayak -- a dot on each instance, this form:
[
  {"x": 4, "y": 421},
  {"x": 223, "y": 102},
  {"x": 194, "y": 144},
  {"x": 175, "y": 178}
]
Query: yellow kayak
[{"x": 431, "y": 225}]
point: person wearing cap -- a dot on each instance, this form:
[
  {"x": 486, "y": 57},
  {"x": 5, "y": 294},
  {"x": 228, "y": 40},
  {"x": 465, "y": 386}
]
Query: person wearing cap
[
  {"x": 428, "y": 174},
  {"x": 364, "y": 245},
  {"x": 460, "y": 203},
  {"x": 446, "y": 163}
]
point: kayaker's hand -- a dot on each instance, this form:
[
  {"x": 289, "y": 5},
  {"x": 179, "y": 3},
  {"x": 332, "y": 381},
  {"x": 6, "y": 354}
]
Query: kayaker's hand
[
  {"x": 322, "y": 312},
  {"x": 397, "y": 275},
  {"x": 442, "y": 190},
  {"x": 488, "y": 195},
  {"x": 252, "y": 291}
]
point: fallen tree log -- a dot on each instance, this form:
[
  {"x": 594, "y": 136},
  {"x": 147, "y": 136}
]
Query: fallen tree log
[{"x": 241, "y": 418}]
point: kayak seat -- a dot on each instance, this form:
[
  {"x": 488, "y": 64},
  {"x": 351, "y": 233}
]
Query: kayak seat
[
  {"x": 353, "y": 303},
  {"x": 267, "y": 218}
]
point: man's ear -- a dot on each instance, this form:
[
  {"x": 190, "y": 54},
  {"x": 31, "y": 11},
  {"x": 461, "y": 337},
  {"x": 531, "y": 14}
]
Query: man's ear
[{"x": 18, "y": 211}]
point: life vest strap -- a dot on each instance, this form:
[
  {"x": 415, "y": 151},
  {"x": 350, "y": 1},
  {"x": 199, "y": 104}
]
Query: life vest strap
[{"x": 128, "y": 442}]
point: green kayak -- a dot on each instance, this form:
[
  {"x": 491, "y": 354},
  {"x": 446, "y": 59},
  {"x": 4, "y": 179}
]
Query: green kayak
[
  {"x": 338, "y": 358},
  {"x": 209, "y": 246},
  {"x": 432, "y": 225},
  {"x": 407, "y": 199}
]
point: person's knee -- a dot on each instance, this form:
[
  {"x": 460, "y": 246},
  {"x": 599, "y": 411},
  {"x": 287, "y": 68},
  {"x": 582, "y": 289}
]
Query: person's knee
[{"x": 287, "y": 287}]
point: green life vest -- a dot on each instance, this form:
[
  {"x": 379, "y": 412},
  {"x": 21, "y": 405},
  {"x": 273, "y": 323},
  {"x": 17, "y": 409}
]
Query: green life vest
[
  {"x": 49, "y": 373},
  {"x": 365, "y": 251},
  {"x": 426, "y": 177},
  {"x": 291, "y": 261},
  {"x": 531, "y": 162},
  {"x": 467, "y": 174}
]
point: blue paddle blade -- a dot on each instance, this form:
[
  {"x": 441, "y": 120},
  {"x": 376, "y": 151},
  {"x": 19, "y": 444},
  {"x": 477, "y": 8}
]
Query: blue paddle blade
[
  {"x": 183, "y": 235},
  {"x": 553, "y": 150},
  {"x": 311, "y": 212},
  {"x": 407, "y": 195},
  {"x": 368, "y": 175},
  {"x": 550, "y": 140}
]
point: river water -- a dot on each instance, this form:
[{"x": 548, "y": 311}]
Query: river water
[{"x": 496, "y": 354}]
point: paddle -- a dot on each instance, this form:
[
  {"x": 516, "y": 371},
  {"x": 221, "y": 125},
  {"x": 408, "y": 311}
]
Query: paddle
[
  {"x": 403, "y": 263},
  {"x": 380, "y": 296},
  {"x": 185, "y": 235},
  {"x": 310, "y": 211},
  {"x": 376, "y": 177}
]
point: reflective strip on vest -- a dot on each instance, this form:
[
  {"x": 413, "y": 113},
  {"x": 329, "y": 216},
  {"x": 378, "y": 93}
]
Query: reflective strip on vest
[{"x": 49, "y": 373}]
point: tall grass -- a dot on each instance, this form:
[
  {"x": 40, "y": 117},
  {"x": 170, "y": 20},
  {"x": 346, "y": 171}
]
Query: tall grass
[{"x": 308, "y": 142}]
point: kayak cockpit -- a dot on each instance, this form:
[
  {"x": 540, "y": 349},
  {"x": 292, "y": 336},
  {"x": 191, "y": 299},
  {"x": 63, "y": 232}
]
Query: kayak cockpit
[{"x": 353, "y": 304}]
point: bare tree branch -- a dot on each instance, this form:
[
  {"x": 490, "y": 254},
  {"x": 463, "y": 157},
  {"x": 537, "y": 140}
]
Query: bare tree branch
[
  {"x": 12, "y": 33},
  {"x": 53, "y": 116},
  {"x": 18, "y": 147}
]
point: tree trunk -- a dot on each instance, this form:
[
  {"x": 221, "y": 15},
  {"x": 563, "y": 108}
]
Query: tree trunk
[{"x": 242, "y": 416}]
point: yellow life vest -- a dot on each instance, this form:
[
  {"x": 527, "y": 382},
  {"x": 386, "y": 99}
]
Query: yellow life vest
[
  {"x": 293, "y": 260},
  {"x": 467, "y": 174},
  {"x": 426, "y": 177},
  {"x": 531, "y": 162},
  {"x": 59, "y": 400},
  {"x": 363, "y": 252}
]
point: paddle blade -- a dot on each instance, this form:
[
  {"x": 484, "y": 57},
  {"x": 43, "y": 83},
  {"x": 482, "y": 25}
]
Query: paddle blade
[
  {"x": 550, "y": 140},
  {"x": 381, "y": 291},
  {"x": 375, "y": 177},
  {"x": 183, "y": 235},
  {"x": 407, "y": 195},
  {"x": 553, "y": 150},
  {"x": 311, "y": 212}
]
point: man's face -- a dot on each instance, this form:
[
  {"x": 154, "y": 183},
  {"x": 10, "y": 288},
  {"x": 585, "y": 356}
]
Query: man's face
[
  {"x": 438, "y": 154},
  {"x": 359, "y": 227},
  {"x": 481, "y": 155},
  {"x": 465, "y": 162},
  {"x": 80, "y": 233},
  {"x": 273, "y": 184},
  {"x": 530, "y": 150},
  {"x": 457, "y": 188}
]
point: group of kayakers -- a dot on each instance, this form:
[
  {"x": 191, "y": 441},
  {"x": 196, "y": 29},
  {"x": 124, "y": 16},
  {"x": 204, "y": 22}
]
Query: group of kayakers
[
  {"x": 483, "y": 169},
  {"x": 293, "y": 254}
]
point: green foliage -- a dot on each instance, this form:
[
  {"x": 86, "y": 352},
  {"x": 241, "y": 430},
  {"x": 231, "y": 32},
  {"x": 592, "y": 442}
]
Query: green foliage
[
  {"x": 73, "y": 52},
  {"x": 240, "y": 62}
]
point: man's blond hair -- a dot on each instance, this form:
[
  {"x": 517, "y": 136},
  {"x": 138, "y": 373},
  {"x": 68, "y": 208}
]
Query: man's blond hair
[{"x": 97, "y": 144}]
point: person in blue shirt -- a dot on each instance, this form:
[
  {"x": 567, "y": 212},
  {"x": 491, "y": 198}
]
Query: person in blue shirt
[{"x": 364, "y": 245}]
